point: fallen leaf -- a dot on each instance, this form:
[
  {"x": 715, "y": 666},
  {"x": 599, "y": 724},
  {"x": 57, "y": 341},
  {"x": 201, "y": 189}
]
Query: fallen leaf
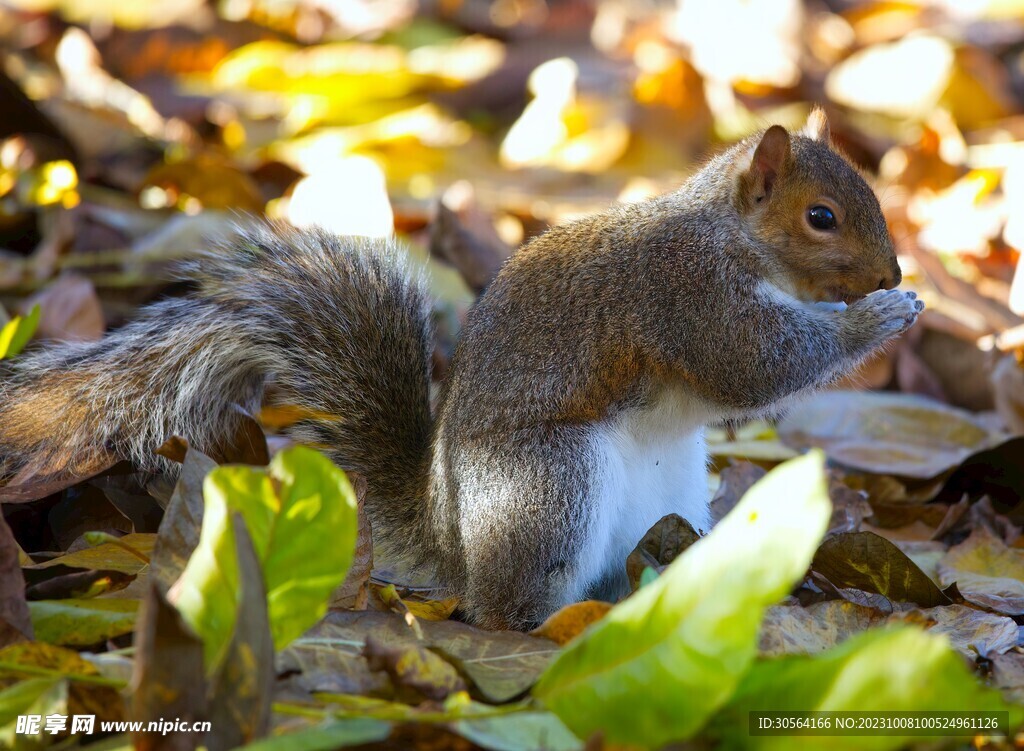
[
  {"x": 129, "y": 555},
  {"x": 849, "y": 506},
  {"x": 432, "y": 610},
  {"x": 501, "y": 664},
  {"x": 569, "y": 622},
  {"x": 79, "y": 585},
  {"x": 168, "y": 678},
  {"x": 1008, "y": 676},
  {"x": 82, "y": 623},
  {"x": 13, "y": 607},
  {"x": 15, "y": 333},
  {"x": 240, "y": 688},
  {"x": 737, "y": 479},
  {"x": 326, "y": 736},
  {"x": 247, "y": 444},
  {"x": 83, "y": 696},
  {"x": 987, "y": 572},
  {"x": 300, "y": 503},
  {"x": 464, "y": 236},
  {"x": 38, "y": 480},
  {"x": 869, "y": 563},
  {"x": 71, "y": 311},
  {"x": 354, "y": 592},
  {"x": 413, "y": 668},
  {"x": 521, "y": 731},
  {"x": 203, "y": 182},
  {"x": 885, "y": 433},
  {"x": 997, "y": 472},
  {"x": 1008, "y": 388},
  {"x": 892, "y": 669},
  {"x": 178, "y": 534},
  {"x": 664, "y": 542},
  {"x": 792, "y": 629},
  {"x": 971, "y": 632}
]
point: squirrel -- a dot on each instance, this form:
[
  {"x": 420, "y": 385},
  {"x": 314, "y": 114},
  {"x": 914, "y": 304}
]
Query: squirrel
[{"x": 573, "y": 413}]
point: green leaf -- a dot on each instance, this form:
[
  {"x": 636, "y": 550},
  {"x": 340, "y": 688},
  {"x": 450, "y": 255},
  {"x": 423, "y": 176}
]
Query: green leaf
[
  {"x": 16, "y": 333},
  {"x": 661, "y": 663},
  {"x": 516, "y": 731},
  {"x": 35, "y": 696},
  {"x": 334, "y": 734},
  {"x": 82, "y": 622},
  {"x": 301, "y": 514},
  {"x": 896, "y": 669}
]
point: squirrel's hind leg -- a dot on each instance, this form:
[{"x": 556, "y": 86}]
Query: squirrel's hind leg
[{"x": 526, "y": 525}]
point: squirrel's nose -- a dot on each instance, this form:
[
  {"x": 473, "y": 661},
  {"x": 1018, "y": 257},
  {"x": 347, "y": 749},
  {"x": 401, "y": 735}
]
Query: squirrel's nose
[{"x": 892, "y": 278}]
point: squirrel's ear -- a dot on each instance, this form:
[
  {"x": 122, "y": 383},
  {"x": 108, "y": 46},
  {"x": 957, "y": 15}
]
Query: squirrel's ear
[
  {"x": 770, "y": 157},
  {"x": 817, "y": 126}
]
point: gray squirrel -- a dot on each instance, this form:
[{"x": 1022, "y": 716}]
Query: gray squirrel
[{"x": 572, "y": 416}]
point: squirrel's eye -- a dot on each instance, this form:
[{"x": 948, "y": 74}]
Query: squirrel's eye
[{"x": 821, "y": 217}]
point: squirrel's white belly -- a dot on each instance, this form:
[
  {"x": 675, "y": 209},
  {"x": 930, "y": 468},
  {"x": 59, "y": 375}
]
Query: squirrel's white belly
[{"x": 654, "y": 463}]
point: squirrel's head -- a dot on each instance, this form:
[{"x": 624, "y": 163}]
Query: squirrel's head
[{"x": 805, "y": 201}]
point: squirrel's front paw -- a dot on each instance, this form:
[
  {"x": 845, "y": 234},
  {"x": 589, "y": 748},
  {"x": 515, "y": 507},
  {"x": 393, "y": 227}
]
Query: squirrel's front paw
[{"x": 887, "y": 313}]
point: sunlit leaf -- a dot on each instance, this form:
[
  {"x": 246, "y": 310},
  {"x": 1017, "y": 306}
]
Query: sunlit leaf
[
  {"x": 82, "y": 622},
  {"x": 336, "y": 734},
  {"x": 301, "y": 514},
  {"x": 893, "y": 669},
  {"x": 16, "y": 333},
  {"x": 885, "y": 433},
  {"x": 693, "y": 631},
  {"x": 35, "y": 696},
  {"x": 129, "y": 555},
  {"x": 986, "y": 572},
  {"x": 518, "y": 731}
]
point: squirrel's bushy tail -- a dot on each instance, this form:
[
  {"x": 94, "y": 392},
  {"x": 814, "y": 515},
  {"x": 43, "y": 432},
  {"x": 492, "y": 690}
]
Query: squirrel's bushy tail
[{"x": 338, "y": 326}]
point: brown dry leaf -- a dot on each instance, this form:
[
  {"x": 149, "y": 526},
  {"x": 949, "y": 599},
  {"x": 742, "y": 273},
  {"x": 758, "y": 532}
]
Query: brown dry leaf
[
  {"x": 39, "y": 480},
  {"x": 83, "y": 697},
  {"x": 129, "y": 555},
  {"x": 71, "y": 311},
  {"x": 80, "y": 585},
  {"x": 1008, "y": 391},
  {"x": 432, "y": 610},
  {"x": 1008, "y": 676},
  {"x": 868, "y": 563},
  {"x": 566, "y": 624},
  {"x": 663, "y": 543},
  {"x": 885, "y": 433},
  {"x": 354, "y": 592},
  {"x": 960, "y": 367},
  {"x": 913, "y": 374},
  {"x": 792, "y": 629},
  {"x": 737, "y": 479},
  {"x": 168, "y": 677},
  {"x": 464, "y": 236},
  {"x": 501, "y": 664},
  {"x": 13, "y": 607},
  {"x": 987, "y": 572},
  {"x": 247, "y": 445},
  {"x": 178, "y": 534},
  {"x": 971, "y": 632},
  {"x": 983, "y": 514},
  {"x": 849, "y": 506},
  {"x": 240, "y": 691},
  {"x": 996, "y": 472},
  {"x": 413, "y": 668},
  {"x": 203, "y": 182}
]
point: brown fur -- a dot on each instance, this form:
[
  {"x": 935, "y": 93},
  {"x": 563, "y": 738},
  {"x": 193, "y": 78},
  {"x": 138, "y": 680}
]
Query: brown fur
[{"x": 698, "y": 299}]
